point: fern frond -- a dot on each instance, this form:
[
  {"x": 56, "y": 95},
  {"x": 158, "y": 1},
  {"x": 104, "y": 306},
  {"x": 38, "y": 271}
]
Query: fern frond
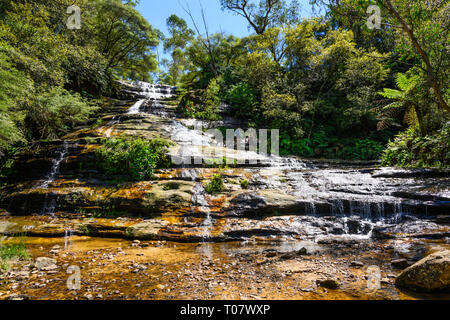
[{"x": 391, "y": 94}]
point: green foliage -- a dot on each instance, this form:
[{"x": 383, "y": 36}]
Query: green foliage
[
  {"x": 407, "y": 102},
  {"x": 136, "y": 158},
  {"x": 243, "y": 100},
  {"x": 56, "y": 111},
  {"x": 201, "y": 104},
  {"x": 125, "y": 38},
  {"x": 171, "y": 186},
  {"x": 50, "y": 76},
  {"x": 216, "y": 185},
  {"x": 411, "y": 149},
  {"x": 12, "y": 251},
  {"x": 244, "y": 184},
  {"x": 181, "y": 35},
  {"x": 321, "y": 145}
]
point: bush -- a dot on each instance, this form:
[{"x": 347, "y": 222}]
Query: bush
[
  {"x": 244, "y": 184},
  {"x": 136, "y": 158},
  {"x": 201, "y": 104},
  {"x": 411, "y": 149},
  {"x": 243, "y": 100},
  {"x": 56, "y": 111},
  {"x": 12, "y": 251},
  {"x": 215, "y": 185}
]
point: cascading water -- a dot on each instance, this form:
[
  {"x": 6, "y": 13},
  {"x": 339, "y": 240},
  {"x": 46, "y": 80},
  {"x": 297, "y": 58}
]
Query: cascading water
[
  {"x": 201, "y": 204},
  {"x": 50, "y": 204},
  {"x": 56, "y": 163},
  {"x": 68, "y": 233},
  {"x": 111, "y": 125},
  {"x": 135, "y": 108}
]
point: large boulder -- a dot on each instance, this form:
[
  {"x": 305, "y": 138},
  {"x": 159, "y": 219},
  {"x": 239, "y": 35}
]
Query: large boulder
[{"x": 431, "y": 274}]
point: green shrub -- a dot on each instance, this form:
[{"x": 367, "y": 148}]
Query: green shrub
[
  {"x": 57, "y": 111},
  {"x": 12, "y": 251},
  {"x": 201, "y": 104},
  {"x": 411, "y": 149},
  {"x": 137, "y": 158},
  {"x": 243, "y": 100},
  {"x": 171, "y": 186},
  {"x": 216, "y": 185},
  {"x": 244, "y": 184}
]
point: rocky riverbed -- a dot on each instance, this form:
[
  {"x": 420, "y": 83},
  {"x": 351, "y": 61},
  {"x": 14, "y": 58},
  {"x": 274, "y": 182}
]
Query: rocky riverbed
[{"x": 300, "y": 229}]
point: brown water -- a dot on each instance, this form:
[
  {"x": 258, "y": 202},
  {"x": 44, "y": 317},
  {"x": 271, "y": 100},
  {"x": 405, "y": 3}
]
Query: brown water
[{"x": 119, "y": 269}]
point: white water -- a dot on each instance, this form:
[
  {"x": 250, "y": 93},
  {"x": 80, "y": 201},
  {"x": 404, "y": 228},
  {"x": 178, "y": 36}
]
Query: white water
[
  {"x": 201, "y": 204},
  {"x": 136, "y": 107},
  {"x": 55, "y": 168},
  {"x": 68, "y": 233},
  {"x": 111, "y": 125}
]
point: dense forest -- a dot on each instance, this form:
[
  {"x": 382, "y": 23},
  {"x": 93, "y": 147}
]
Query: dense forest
[{"x": 334, "y": 87}]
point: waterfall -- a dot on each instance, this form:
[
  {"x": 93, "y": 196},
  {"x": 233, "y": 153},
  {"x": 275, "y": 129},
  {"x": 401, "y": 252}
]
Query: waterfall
[
  {"x": 110, "y": 125},
  {"x": 200, "y": 202},
  {"x": 68, "y": 233},
  {"x": 55, "y": 167},
  {"x": 136, "y": 107},
  {"x": 50, "y": 204}
]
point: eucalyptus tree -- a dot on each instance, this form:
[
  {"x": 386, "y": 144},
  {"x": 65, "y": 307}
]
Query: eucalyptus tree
[{"x": 264, "y": 14}]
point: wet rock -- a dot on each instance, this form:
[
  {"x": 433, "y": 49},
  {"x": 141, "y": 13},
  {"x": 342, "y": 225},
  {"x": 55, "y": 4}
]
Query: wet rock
[
  {"x": 328, "y": 283},
  {"x": 44, "y": 263},
  {"x": 412, "y": 173},
  {"x": 18, "y": 297},
  {"x": 9, "y": 228},
  {"x": 302, "y": 252},
  {"x": 147, "y": 230},
  {"x": 357, "y": 264},
  {"x": 262, "y": 202},
  {"x": 48, "y": 230},
  {"x": 400, "y": 263},
  {"x": 431, "y": 274},
  {"x": 443, "y": 219},
  {"x": 412, "y": 229},
  {"x": 88, "y": 296}
]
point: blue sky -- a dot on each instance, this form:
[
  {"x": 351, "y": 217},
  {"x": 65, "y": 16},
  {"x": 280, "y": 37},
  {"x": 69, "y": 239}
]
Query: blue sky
[{"x": 157, "y": 11}]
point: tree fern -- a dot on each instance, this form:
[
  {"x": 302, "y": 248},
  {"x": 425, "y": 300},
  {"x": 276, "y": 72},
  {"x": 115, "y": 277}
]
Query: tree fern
[{"x": 405, "y": 102}]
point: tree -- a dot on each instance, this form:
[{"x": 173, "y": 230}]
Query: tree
[
  {"x": 181, "y": 36},
  {"x": 14, "y": 87},
  {"x": 265, "y": 14},
  {"x": 407, "y": 100},
  {"x": 424, "y": 23},
  {"x": 418, "y": 9},
  {"x": 125, "y": 38}
]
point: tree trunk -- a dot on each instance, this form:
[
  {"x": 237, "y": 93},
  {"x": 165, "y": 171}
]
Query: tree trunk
[{"x": 431, "y": 76}]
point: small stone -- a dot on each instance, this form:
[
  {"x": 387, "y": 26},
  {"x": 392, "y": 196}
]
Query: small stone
[
  {"x": 88, "y": 296},
  {"x": 44, "y": 263},
  {"x": 357, "y": 264},
  {"x": 400, "y": 263},
  {"x": 18, "y": 297},
  {"x": 328, "y": 283}
]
